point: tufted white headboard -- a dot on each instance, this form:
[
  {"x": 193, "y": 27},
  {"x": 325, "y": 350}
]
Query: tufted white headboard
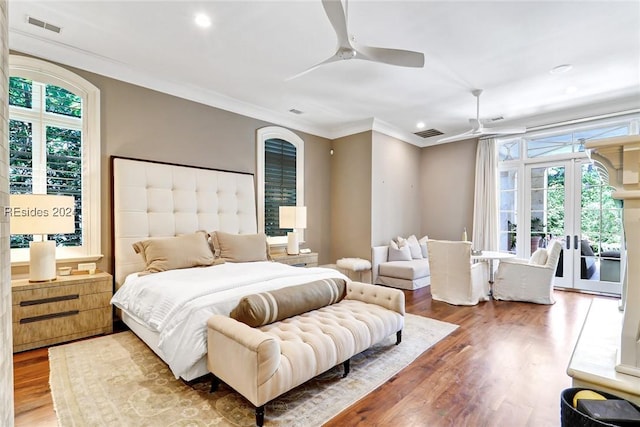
[{"x": 153, "y": 199}]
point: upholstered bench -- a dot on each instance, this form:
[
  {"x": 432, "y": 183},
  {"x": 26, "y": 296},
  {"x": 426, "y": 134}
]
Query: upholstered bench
[{"x": 263, "y": 362}]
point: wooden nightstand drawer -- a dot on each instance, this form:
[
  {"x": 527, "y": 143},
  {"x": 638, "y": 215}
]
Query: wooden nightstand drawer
[
  {"x": 64, "y": 326},
  {"x": 300, "y": 260},
  {"x": 69, "y": 308}
]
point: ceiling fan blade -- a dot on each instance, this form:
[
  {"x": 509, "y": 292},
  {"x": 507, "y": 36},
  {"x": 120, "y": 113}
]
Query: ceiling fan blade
[
  {"x": 458, "y": 137},
  {"x": 503, "y": 131},
  {"x": 333, "y": 58},
  {"x": 335, "y": 13},
  {"x": 403, "y": 58}
]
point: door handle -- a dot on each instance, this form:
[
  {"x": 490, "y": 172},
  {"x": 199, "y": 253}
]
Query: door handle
[
  {"x": 575, "y": 242},
  {"x": 568, "y": 242}
]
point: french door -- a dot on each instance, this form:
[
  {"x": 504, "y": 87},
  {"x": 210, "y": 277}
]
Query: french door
[{"x": 568, "y": 201}]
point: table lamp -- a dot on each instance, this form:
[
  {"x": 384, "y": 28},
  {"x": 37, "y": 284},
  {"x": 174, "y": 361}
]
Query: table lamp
[
  {"x": 293, "y": 217},
  {"x": 41, "y": 214}
]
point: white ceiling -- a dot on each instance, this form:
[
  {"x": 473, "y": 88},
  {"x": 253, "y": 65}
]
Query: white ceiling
[{"x": 242, "y": 61}]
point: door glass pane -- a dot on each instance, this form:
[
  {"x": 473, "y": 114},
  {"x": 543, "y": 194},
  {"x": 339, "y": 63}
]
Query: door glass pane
[
  {"x": 547, "y": 208},
  {"x": 508, "y": 218},
  {"x": 601, "y": 229}
]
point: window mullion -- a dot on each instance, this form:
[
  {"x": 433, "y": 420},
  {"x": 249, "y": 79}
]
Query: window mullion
[{"x": 39, "y": 142}]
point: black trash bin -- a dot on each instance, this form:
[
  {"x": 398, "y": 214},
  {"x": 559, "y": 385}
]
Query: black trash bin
[{"x": 571, "y": 417}]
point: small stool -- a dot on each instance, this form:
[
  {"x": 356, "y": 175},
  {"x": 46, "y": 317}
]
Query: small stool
[{"x": 357, "y": 269}]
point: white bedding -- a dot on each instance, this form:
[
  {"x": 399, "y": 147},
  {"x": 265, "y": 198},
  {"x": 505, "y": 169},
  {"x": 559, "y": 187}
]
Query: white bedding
[{"x": 177, "y": 303}]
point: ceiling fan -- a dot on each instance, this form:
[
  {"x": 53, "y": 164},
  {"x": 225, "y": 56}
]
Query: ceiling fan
[
  {"x": 478, "y": 129},
  {"x": 346, "y": 50}
]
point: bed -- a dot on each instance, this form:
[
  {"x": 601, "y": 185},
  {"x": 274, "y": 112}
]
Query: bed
[{"x": 158, "y": 202}]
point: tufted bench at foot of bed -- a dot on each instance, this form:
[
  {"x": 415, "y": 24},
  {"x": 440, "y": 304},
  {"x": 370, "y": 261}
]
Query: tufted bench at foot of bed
[{"x": 264, "y": 362}]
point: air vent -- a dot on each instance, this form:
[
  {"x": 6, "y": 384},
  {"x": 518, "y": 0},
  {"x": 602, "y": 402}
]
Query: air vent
[
  {"x": 496, "y": 119},
  {"x": 38, "y": 23},
  {"x": 429, "y": 133},
  {"x": 294, "y": 111}
]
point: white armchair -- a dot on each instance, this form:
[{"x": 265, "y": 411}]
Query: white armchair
[
  {"x": 454, "y": 279},
  {"x": 528, "y": 280}
]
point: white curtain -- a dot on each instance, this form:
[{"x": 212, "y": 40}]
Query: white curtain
[{"x": 485, "y": 203}]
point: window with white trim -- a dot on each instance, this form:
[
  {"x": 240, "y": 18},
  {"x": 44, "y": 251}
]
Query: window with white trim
[
  {"x": 280, "y": 155},
  {"x": 54, "y": 148}
]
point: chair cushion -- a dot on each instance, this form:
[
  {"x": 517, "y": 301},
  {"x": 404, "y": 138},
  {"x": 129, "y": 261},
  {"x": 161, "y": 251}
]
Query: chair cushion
[{"x": 409, "y": 270}]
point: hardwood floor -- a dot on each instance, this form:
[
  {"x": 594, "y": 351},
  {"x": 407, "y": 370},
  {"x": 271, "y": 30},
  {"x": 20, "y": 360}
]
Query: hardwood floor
[{"x": 504, "y": 366}]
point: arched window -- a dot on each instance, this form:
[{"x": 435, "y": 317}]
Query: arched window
[
  {"x": 54, "y": 148},
  {"x": 280, "y": 155}
]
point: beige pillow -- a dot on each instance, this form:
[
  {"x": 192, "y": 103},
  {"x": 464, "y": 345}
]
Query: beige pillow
[
  {"x": 240, "y": 247},
  {"x": 170, "y": 253},
  {"x": 268, "y": 307}
]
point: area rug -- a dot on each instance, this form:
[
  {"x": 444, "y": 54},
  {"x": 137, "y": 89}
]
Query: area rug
[{"x": 116, "y": 380}]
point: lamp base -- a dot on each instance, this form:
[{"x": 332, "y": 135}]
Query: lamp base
[
  {"x": 42, "y": 261},
  {"x": 292, "y": 243}
]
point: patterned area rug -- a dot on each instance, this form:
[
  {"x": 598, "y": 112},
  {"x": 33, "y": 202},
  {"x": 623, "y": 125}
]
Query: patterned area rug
[{"x": 116, "y": 380}]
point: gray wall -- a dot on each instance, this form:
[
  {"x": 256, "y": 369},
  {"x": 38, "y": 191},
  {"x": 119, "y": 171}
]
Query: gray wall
[
  {"x": 395, "y": 189},
  {"x": 351, "y": 197},
  {"x": 448, "y": 178}
]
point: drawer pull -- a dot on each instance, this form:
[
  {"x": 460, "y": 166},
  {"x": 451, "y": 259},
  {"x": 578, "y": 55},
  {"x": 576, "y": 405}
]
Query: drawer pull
[
  {"x": 48, "y": 300},
  {"x": 49, "y": 316}
]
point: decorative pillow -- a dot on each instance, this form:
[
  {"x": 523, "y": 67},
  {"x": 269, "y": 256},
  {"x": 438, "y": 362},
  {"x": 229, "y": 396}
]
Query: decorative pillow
[
  {"x": 398, "y": 252},
  {"x": 414, "y": 247},
  {"x": 240, "y": 247},
  {"x": 539, "y": 257},
  {"x": 268, "y": 307},
  {"x": 423, "y": 246},
  {"x": 170, "y": 253}
]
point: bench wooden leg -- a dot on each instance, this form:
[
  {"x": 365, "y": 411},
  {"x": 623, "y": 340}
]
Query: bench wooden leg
[
  {"x": 398, "y": 337},
  {"x": 347, "y": 367},
  {"x": 260, "y": 415},
  {"x": 215, "y": 382}
]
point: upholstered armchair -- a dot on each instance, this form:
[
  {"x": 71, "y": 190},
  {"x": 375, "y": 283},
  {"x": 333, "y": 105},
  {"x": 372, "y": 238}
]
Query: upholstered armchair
[
  {"x": 454, "y": 279},
  {"x": 528, "y": 280}
]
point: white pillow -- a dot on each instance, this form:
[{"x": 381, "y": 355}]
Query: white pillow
[
  {"x": 539, "y": 257},
  {"x": 423, "y": 246},
  {"x": 399, "y": 252},
  {"x": 414, "y": 247}
]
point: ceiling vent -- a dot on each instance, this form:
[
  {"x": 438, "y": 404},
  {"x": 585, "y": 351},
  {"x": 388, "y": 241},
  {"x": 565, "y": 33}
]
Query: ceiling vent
[
  {"x": 294, "y": 111},
  {"x": 429, "y": 133},
  {"x": 38, "y": 23},
  {"x": 497, "y": 119}
]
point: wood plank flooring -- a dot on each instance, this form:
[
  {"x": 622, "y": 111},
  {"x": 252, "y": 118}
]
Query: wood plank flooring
[{"x": 504, "y": 366}]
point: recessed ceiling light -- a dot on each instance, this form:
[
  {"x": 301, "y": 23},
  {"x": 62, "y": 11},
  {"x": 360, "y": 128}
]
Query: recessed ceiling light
[
  {"x": 420, "y": 125},
  {"x": 561, "y": 69},
  {"x": 570, "y": 90},
  {"x": 202, "y": 20}
]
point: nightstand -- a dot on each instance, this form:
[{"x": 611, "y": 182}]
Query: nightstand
[
  {"x": 66, "y": 309},
  {"x": 300, "y": 260}
]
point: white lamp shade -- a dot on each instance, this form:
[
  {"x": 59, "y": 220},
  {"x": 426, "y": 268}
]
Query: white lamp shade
[
  {"x": 41, "y": 214},
  {"x": 293, "y": 217}
]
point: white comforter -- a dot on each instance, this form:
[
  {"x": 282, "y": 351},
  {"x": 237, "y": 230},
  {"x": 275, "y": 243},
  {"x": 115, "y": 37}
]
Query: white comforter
[{"x": 177, "y": 303}]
